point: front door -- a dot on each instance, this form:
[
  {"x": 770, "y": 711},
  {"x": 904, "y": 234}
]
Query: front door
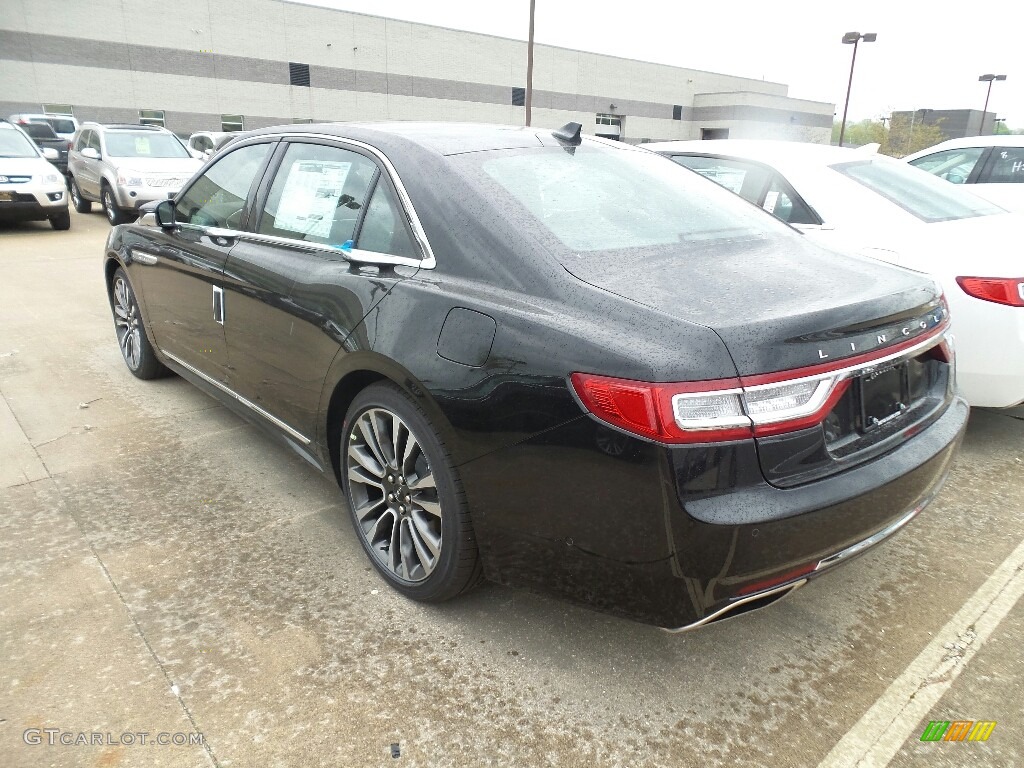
[{"x": 183, "y": 271}]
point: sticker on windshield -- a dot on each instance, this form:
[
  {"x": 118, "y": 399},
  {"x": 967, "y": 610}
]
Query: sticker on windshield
[
  {"x": 310, "y": 197},
  {"x": 142, "y": 145},
  {"x": 770, "y": 200}
]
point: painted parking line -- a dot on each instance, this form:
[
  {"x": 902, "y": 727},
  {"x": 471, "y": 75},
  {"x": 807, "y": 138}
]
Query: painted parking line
[{"x": 892, "y": 719}]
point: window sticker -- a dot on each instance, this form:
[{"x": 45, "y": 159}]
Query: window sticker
[
  {"x": 142, "y": 145},
  {"x": 310, "y": 197},
  {"x": 770, "y": 200}
]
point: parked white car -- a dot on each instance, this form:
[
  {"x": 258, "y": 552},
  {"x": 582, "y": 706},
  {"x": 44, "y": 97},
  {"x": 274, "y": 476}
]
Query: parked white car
[
  {"x": 856, "y": 200},
  {"x": 992, "y": 165}
]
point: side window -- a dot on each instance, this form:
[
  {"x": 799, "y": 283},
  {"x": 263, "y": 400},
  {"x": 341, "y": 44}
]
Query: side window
[
  {"x": 318, "y": 194},
  {"x": 384, "y": 228},
  {"x": 953, "y": 165},
  {"x": 1006, "y": 166},
  {"x": 94, "y": 141},
  {"x": 217, "y": 198},
  {"x": 781, "y": 201},
  {"x": 82, "y": 141},
  {"x": 745, "y": 180}
]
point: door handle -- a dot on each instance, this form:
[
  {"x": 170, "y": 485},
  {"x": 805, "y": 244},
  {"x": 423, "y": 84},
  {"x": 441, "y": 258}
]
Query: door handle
[{"x": 218, "y": 305}]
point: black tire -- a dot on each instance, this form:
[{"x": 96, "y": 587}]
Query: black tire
[
  {"x": 456, "y": 566},
  {"x": 136, "y": 349},
  {"x": 81, "y": 204},
  {"x": 61, "y": 220},
  {"x": 114, "y": 214}
]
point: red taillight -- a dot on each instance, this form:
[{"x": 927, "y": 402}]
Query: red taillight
[
  {"x": 647, "y": 409},
  {"x": 1001, "y": 290},
  {"x": 734, "y": 409}
]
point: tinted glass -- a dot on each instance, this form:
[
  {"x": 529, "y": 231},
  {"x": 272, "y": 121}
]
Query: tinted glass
[
  {"x": 39, "y": 130},
  {"x": 94, "y": 141},
  {"x": 1006, "y": 166},
  {"x": 218, "y": 196},
  {"x": 13, "y": 143},
  {"x": 602, "y": 198},
  {"x": 61, "y": 125},
  {"x": 82, "y": 141},
  {"x": 318, "y": 194},
  {"x": 953, "y": 165},
  {"x": 926, "y": 197},
  {"x": 384, "y": 229},
  {"x": 143, "y": 144},
  {"x": 782, "y": 202}
]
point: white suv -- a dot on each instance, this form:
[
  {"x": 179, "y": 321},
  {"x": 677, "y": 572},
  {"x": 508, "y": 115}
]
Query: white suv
[
  {"x": 126, "y": 166},
  {"x": 31, "y": 189}
]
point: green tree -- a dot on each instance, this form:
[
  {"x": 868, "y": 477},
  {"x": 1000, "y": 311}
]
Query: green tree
[{"x": 896, "y": 137}]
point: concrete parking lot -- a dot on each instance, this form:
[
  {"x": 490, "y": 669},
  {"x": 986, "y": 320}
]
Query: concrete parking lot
[{"x": 167, "y": 570}]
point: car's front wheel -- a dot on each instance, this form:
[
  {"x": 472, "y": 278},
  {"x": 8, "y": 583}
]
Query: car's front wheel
[
  {"x": 81, "y": 204},
  {"x": 114, "y": 214},
  {"x": 405, "y": 497},
  {"x": 136, "y": 348},
  {"x": 61, "y": 220}
]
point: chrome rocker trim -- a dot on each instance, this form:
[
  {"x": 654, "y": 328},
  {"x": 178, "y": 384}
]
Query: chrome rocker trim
[{"x": 248, "y": 403}]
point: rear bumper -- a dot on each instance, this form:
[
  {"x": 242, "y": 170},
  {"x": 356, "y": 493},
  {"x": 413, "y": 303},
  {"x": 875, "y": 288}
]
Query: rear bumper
[{"x": 679, "y": 537}]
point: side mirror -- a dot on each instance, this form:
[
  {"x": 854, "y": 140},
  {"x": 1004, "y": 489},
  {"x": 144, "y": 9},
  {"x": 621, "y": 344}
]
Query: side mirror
[
  {"x": 90, "y": 153},
  {"x": 51, "y": 154},
  {"x": 164, "y": 213}
]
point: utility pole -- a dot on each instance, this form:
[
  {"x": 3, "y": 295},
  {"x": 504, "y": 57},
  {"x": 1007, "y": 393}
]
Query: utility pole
[{"x": 529, "y": 66}]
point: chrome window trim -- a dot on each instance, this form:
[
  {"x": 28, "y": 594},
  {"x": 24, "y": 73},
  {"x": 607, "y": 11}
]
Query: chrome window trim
[
  {"x": 227, "y": 390},
  {"x": 428, "y": 261}
]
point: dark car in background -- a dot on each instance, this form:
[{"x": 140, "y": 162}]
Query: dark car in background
[
  {"x": 45, "y": 137},
  {"x": 561, "y": 363}
]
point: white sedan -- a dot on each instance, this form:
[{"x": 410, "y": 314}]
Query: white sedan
[
  {"x": 993, "y": 166},
  {"x": 856, "y": 200}
]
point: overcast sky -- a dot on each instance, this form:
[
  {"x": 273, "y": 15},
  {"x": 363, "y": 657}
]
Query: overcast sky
[{"x": 928, "y": 55}]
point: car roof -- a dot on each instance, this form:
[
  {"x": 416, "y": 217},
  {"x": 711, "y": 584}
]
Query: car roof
[
  {"x": 766, "y": 151},
  {"x": 1002, "y": 140},
  {"x": 442, "y": 138}
]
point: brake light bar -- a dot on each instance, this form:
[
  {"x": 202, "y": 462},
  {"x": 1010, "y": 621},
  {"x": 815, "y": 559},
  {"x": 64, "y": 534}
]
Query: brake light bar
[
  {"x": 734, "y": 409},
  {"x": 1000, "y": 290}
]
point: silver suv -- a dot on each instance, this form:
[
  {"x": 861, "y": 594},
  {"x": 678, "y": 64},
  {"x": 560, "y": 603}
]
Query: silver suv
[{"x": 126, "y": 166}]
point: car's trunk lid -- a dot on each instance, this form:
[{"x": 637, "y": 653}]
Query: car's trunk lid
[{"x": 777, "y": 303}]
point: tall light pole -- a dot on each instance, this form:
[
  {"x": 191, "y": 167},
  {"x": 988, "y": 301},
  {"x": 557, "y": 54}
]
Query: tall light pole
[
  {"x": 852, "y": 38},
  {"x": 987, "y": 79},
  {"x": 528, "y": 101}
]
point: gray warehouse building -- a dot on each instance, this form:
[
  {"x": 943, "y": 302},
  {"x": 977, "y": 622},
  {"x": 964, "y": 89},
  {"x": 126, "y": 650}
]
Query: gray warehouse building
[{"x": 196, "y": 65}]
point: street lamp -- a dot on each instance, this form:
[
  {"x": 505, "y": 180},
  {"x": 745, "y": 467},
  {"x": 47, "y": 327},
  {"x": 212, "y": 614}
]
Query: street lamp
[
  {"x": 852, "y": 38},
  {"x": 987, "y": 79}
]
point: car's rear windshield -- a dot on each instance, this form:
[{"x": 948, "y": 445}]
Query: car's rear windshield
[
  {"x": 13, "y": 143},
  {"x": 61, "y": 125},
  {"x": 38, "y": 130},
  {"x": 598, "y": 198},
  {"x": 927, "y": 197},
  {"x": 143, "y": 144}
]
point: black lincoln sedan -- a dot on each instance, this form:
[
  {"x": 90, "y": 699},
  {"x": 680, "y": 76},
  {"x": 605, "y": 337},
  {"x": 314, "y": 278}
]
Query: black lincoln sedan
[{"x": 550, "y": 361}]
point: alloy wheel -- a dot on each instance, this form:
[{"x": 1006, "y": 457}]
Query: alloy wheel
[
  {"x": 126, "y": 320},
  {"x": 108, "y": 206},
  {"x": 393, "y": 495}
]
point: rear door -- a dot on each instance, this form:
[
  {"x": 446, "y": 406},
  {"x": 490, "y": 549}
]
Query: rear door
[
  {"x": 293, "y": 297},
  {"x": 182, "y": 273},
  {"x": 1002, "y": 178}
]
